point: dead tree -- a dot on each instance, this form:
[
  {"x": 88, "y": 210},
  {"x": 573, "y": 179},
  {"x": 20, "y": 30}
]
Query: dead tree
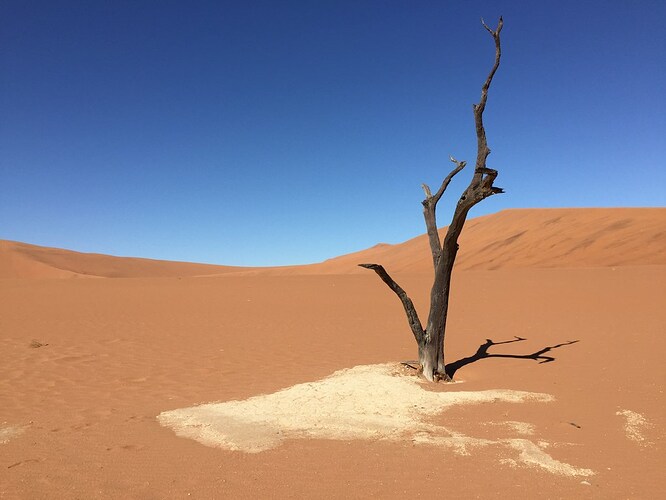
[{"x": 430, "y": 340}]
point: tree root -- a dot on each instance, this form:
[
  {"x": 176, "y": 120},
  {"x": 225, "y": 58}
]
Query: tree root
[{"x": 438, "y": 376}]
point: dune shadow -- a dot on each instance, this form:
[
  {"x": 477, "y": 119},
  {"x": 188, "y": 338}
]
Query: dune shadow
[{"x": 539, "y": 356}]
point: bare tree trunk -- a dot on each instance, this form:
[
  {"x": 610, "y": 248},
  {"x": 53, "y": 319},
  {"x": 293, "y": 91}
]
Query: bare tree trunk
[{"x": 430, "y": 340}]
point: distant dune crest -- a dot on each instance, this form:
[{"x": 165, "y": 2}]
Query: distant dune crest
[{"x": 525, "y": 238}]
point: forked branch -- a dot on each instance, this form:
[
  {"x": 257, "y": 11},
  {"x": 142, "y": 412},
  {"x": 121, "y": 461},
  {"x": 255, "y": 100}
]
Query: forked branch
[{"x": 430, "y": 210}]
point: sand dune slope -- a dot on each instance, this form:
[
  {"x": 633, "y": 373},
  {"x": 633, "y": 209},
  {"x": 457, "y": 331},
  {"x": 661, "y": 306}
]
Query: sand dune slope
[
  {"x": 21, "y": 260},
  {"x": 529, "y": 238},
  {"x": 534, "y": 238}
]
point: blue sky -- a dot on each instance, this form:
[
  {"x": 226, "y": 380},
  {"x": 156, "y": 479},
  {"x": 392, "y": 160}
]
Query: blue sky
[{"x": 282, "y": 132}]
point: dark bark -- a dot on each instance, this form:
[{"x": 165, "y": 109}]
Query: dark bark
[
  {"x": 410, "y": 310},
  {"x": 431, "y": 340},
  {"x": 430, "y": 208}
]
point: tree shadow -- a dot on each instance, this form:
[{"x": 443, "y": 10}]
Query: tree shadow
[{"x": 482, "y": 353}]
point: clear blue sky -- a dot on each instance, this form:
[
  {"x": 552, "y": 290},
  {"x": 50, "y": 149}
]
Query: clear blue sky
[{"x": 279, "y": 132}]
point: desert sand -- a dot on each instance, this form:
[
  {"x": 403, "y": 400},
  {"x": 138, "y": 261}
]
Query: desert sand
[{"x": 136, "y": 378}]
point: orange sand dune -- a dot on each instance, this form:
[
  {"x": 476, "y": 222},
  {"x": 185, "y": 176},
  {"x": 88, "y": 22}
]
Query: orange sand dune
[
  {"x": 21, "y": 260},
  {"x": 534, "y": 238},
  {"x": 526, "y": 238}
]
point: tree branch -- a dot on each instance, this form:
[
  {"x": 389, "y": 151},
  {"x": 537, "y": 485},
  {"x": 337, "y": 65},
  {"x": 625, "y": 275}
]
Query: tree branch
[
  {"x": 481, "y": 185},
  {"x": 430, "y": 209},
  {"x": 482, "y": 146},
  {"x": 412, "y": 315},
  {"x": 447, "y": 180}
]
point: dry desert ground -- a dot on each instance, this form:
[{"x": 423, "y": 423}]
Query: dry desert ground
[{"x": 134, "y": 378}]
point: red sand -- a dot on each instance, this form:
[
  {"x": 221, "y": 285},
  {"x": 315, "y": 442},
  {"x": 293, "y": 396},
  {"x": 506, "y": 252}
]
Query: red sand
[{"x": 116, "y": 353}]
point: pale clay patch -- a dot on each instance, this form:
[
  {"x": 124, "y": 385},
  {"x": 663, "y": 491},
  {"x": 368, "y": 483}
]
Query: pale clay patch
[
  {"x": 634, "y": 425},
  {"x": 365, "y": 402},
  {"x": 9, "y": 432}
]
